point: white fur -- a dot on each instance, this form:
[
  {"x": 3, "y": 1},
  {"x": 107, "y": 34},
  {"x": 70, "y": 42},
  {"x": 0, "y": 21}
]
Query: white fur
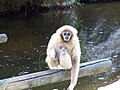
[
  {"x": 65, "y": 59},
  {"x": 73, "y": 49}
]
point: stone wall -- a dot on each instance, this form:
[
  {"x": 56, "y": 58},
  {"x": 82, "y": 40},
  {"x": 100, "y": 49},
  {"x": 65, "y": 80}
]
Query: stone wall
[
  {"x": 16, "y": 5},
  {"x": 96, "y": 1}
]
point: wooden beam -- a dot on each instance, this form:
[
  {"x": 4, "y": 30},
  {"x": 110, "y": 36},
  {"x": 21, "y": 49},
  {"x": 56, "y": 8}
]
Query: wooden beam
[
  {"x": 53, "y": 76},
  {"x": 3, "y": 38}
]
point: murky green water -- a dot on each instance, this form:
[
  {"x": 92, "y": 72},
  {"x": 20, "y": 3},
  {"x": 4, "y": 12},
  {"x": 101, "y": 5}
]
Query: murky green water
[{"x": 28, "y": 37}]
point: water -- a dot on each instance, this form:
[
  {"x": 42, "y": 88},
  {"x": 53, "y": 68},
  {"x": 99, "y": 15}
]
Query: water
[{"x": 98, "y": 26}]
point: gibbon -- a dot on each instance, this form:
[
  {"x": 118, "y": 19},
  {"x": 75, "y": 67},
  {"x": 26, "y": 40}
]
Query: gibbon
[
  {"x": 67, "y": 36},
  {"x": 64, "y": 58}
]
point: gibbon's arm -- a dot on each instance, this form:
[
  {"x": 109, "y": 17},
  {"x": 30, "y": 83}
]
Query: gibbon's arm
[
  {"x": 51, "y": 45},
  {"x": 76, "y": 53}
]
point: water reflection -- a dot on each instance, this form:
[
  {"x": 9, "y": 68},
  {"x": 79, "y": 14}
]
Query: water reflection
[
  {"x": 21, "y": 51},
  {"x": 25, "y": 50}
]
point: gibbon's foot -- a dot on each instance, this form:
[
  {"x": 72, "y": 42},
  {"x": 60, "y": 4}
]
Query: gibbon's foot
[
  {"x": 62, "y": 68},
  {"x": 71, "y": 87},
  {"x": 54, "y": 68},
  {"x": 59, "y": 67}
]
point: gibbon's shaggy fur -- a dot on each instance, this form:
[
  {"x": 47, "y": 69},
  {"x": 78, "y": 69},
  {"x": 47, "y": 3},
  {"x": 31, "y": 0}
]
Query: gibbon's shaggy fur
[
  {"x": 64, "y": 58},
  {"x": 67, "y": 36}
]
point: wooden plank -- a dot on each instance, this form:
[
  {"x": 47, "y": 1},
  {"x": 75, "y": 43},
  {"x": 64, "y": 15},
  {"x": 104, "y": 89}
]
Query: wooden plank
[
  {"x": 3, "y": 38},
  {"x": 53, "y": 76}
]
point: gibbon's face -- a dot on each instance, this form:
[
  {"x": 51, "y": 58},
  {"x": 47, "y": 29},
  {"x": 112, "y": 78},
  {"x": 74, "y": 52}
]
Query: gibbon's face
[
  {"x": 66, "y": 36},
  {"x": 63, "y": 48}
]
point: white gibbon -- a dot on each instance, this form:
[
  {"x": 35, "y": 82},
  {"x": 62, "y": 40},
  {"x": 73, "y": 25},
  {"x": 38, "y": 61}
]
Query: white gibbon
[
  {"x": 65, "y": 36},
  {"x": 64, "y": 59}
]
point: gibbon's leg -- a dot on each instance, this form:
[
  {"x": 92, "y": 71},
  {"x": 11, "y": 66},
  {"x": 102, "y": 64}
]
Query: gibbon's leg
[{"x": 74, "y": 76}]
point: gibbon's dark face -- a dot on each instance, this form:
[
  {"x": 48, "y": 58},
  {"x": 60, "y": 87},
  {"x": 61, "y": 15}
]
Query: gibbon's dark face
[
  {"x": 62, "y": 48},
  {"x": 66, "y": 36}
]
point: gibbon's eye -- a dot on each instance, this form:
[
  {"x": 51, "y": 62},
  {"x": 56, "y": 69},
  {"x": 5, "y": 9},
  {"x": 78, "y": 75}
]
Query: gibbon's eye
[
  {"x": 63, "y": 47},
  {"x": 68, "y": 34},
  {"x": 64, "y": 34},
  {"x": 60, "y": 47}
]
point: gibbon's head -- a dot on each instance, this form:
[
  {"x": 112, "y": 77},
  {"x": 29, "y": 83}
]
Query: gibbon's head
[
  {"x": 63, "y": 48},
  {"x": 67, "y": 32}
]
